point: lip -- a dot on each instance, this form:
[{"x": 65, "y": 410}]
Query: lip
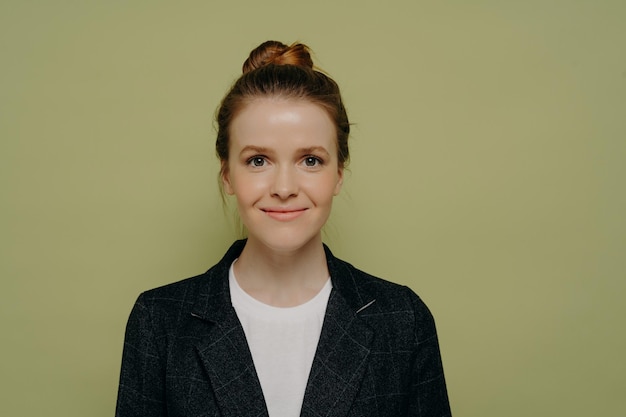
[{"x": 284, "y": 214}]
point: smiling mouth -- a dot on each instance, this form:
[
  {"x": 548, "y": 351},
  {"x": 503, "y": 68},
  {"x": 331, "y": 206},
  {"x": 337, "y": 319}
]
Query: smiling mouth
[{"x": 284, "y": 215}]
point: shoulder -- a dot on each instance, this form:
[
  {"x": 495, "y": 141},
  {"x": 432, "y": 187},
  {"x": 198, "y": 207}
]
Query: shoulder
[
  {"x": 394, "y": 311},
  {"x": 349, "y": 275},
  {"x": 389, "y": 296},
  {"x": 161, "y": 309},
  {"x": 209, "y": 284},
  {"x": 175, "y": 301},
  {"x": 173, "y": 293}
]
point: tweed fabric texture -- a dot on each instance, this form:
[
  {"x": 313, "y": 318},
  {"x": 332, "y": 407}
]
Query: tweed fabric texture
[{"x": 185, "y": 352}]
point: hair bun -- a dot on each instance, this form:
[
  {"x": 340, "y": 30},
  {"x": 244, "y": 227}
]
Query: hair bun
[{"x": 277, "y": 53}]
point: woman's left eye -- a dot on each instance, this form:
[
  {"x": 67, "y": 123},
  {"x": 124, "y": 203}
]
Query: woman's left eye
[{"x": 311, "y": 161}]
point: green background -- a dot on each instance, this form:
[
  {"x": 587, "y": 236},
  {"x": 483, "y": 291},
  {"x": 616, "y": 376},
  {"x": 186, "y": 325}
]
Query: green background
[{"x": 488, "y": 173}]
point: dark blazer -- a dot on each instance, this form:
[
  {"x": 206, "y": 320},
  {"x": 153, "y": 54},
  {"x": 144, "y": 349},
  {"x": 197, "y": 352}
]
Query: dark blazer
[{"x": 185, "y": 352}]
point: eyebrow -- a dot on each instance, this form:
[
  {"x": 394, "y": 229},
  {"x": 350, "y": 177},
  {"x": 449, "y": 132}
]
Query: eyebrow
[
  {"x": 263, "y": 150},
  {"x": 254, "y": 149},
  {"x": 314, "y": 149}
]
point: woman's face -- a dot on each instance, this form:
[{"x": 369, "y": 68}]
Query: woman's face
[{"x": 283, "y": 170}]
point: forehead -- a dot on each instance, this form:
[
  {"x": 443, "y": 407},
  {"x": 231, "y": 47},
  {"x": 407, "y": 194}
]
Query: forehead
[{"x": 280, "y": 122}]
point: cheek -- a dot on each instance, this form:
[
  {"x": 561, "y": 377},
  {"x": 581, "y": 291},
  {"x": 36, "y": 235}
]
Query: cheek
[
  {"x": 324, "y": 189},
  {"x": 247, "y": 188}
]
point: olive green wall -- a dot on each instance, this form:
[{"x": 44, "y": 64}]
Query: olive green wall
[{"x": 489, "y": 162}]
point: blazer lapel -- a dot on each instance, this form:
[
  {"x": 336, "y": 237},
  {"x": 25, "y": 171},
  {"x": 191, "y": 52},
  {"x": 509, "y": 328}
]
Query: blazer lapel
[
  {"x": 224, "y": 350},
  {"x": 342, "y": 352},
  {"x": 226, "y": 357}
]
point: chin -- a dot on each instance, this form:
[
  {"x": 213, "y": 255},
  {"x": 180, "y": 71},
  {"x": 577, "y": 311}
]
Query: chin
[{"x": 285, "y": 243}]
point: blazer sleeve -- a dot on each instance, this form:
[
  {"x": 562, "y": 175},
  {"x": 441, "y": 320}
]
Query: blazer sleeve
[
  {"x": 142, "y": 377},
  {"x": 429, "y": 396}
]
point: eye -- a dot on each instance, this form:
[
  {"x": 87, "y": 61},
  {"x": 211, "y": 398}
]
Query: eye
[
  {"x": 312, "y": 161},
  {"x": 256, "y": 161}
]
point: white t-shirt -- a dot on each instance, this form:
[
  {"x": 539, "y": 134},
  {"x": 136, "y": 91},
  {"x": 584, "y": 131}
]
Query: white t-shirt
[{"x": 283, "y": 342}]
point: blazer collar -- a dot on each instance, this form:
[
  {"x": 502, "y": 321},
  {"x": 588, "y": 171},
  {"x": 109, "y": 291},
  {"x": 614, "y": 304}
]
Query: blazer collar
[
  {"x": 213, "y": 301},
  {"x": 339, "y": 363},
  {"x": 209, "y": 304}
]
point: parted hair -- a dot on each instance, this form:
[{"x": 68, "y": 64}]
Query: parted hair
[{"x": 274, "y": 69}]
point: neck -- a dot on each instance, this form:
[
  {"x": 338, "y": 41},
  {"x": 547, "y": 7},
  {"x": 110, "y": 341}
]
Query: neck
[{"x": 279, "y": 278}]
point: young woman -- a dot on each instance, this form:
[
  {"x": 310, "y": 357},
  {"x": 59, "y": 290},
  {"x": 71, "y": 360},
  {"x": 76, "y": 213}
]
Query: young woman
[{"x": 280, "y": 327}]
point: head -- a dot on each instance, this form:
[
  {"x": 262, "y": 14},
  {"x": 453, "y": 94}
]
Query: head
[
  {"x": 275, "y": 70},
  {"x": 282, "y": 141}
]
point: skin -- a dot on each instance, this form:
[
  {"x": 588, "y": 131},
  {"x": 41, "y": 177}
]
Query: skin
[{"x": 284, "y": 172}]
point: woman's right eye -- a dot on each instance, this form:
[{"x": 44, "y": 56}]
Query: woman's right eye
[{"x": 256, "y": 161}]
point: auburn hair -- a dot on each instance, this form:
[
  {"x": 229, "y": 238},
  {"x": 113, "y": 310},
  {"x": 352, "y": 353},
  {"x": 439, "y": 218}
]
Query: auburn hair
[{"x": 274, "y": 69}]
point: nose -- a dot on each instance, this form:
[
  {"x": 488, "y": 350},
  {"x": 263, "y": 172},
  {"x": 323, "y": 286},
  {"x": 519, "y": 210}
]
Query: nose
[{"x": 285, "y": 183}]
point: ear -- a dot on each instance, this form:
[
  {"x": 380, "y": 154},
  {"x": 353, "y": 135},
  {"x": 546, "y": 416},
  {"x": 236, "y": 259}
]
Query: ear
[
  {"x": 225, "y": 176},
  {"x": 339, "y": 181}
]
